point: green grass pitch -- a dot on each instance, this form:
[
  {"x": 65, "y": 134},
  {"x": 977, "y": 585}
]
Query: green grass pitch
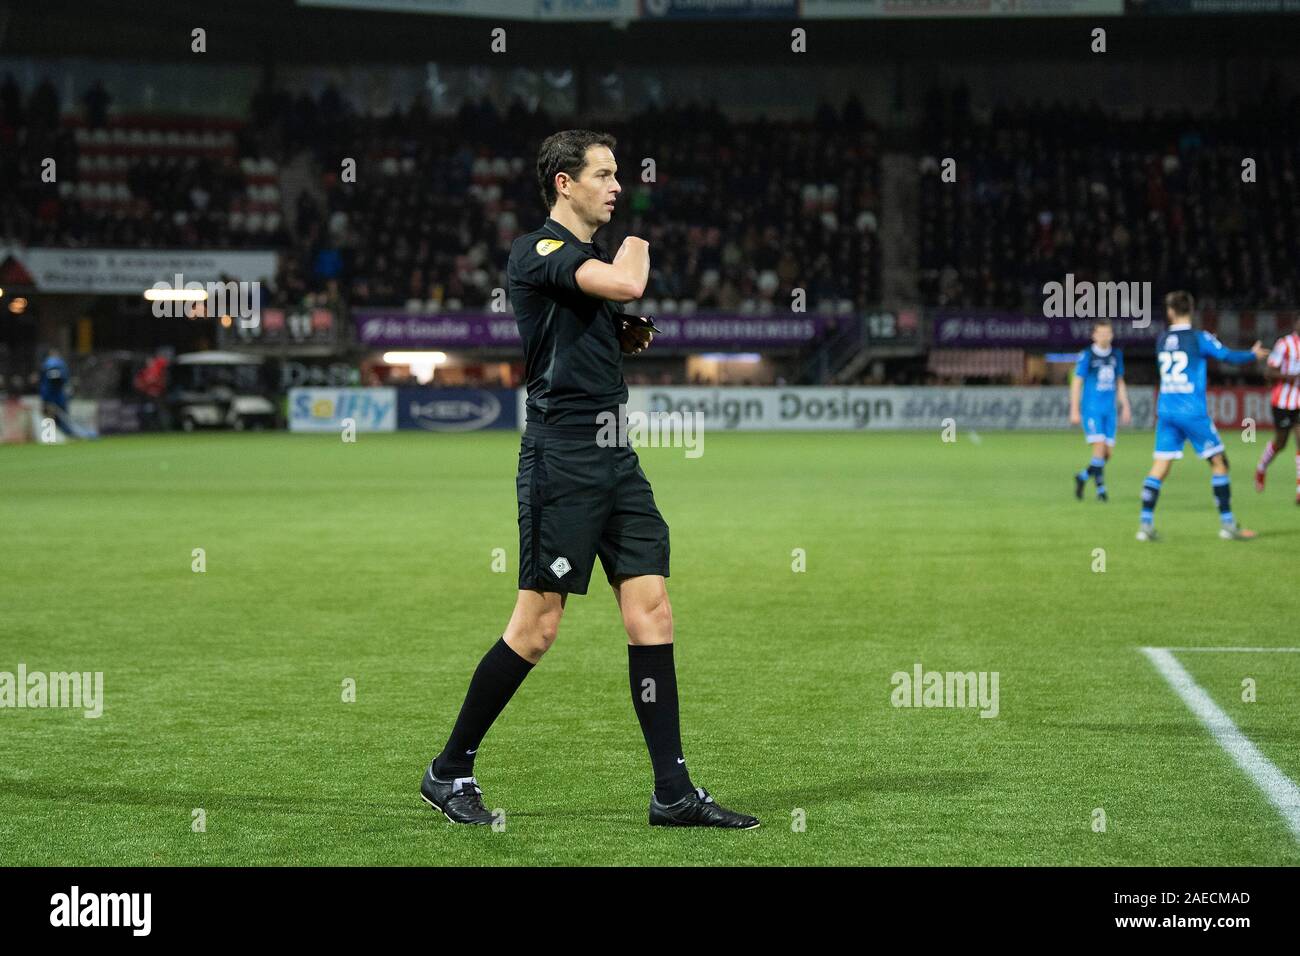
[{"x": 373, "y": 561}]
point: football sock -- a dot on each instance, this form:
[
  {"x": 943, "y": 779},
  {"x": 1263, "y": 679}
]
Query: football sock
[
  {"x": 1150, "y": 495},
  {"x": 1269, "y": 452},
  {"x": 495, "y": 681},
  {"x": 1223, "y": 495},
  {"x": 654, "y": 698},
  {"x": 1095, "y": 469}
]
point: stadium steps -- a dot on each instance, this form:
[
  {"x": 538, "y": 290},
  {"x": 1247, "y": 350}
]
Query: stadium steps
[
  {"x": 900, "y": 228},
  {"x": 899, "y": 257},
  {"x": 297, "y": 177}
]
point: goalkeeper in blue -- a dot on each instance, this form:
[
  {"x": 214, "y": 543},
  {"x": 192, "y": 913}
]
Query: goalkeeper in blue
[
  {"x": 1182, "y": 415},
  {"x": 1097, "y": 386}
]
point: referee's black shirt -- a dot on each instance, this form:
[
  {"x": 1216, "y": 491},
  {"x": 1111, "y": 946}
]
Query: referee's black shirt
[{"x": 573, "y": 365}]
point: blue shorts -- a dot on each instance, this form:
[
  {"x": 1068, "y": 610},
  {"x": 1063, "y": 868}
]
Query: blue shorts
[
  {"x": 1173, "y": 430},
  {"x": 1099, "y": 426}
]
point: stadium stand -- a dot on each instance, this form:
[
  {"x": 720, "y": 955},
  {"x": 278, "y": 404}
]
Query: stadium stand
[
  {"x": 729, "y": 233},
  {"x": 1043, "y": 190}
]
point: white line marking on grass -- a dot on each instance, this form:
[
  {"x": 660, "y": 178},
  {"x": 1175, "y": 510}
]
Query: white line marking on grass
[
  {"x": 1229, "y": 650},
  {"x": 1280, "y": 790}
]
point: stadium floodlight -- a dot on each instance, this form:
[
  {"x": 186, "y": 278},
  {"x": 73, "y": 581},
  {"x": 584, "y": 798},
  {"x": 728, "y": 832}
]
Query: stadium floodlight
[
  {"x": 175, "y": 295},
  {"x": 421, "y": 364},
  {"x": 415, "y": 358}
]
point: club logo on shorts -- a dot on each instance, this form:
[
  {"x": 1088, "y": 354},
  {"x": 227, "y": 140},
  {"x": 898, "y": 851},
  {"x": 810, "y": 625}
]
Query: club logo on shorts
[
  {"x": 545, "y": 247},
  {"x": 560, "y": 567}
]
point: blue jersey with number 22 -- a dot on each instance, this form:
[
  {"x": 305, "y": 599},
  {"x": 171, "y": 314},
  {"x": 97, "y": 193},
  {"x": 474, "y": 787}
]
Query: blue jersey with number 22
[{"x": 1181, "y": 353}]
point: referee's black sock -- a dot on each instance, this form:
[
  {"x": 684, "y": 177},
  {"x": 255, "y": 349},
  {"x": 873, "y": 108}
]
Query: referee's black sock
[
  {"x": 654, "y": 697},
  {"x": 495, "y": 681}
]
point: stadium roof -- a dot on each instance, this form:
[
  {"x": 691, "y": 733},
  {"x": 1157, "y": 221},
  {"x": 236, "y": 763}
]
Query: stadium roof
[{"x": 269, "y": 31}]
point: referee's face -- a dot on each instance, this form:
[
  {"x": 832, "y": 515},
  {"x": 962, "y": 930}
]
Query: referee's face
[{"x": 594, "y": 192}]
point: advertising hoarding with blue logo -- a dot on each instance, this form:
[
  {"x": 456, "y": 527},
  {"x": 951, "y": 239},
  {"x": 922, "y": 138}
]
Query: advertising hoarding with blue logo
[
  {"x": 326, "y": 409},
  {"x": 456, "y": 409}
]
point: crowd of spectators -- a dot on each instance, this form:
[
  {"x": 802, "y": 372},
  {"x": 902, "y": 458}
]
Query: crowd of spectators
[
  {"x": 140, "y": 187},
  {"x": 1037, "y": 192},
  {"x": 738, "y": 214}
]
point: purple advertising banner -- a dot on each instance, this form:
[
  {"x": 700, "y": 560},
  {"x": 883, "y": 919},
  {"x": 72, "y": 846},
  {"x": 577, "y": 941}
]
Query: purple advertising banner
[
  {"x": 387, "y": 329},
  {"x": 966, "y": 330}
]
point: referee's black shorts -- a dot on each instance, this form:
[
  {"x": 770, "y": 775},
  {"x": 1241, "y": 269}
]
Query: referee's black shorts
[
  {"x": 1284, "y": 418},
  {"x": 578, "y": 500}
]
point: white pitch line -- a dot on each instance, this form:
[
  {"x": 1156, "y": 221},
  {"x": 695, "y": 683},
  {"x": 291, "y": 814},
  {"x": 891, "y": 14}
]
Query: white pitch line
[
  {"x": 1229, "y": 650},
  {"x": 1280, "y": 789}
]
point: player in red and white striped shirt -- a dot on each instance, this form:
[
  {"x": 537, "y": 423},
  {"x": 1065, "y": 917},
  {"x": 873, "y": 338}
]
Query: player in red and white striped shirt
[{"x": 1284, "y": 369}]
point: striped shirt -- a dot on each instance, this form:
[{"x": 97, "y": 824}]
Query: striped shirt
[{"x": 1285, "y": 357}]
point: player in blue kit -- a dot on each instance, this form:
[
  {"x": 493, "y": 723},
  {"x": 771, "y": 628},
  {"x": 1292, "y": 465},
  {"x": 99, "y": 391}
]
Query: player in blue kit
[
  {"x": 1183, "y": 416},
  {"x": 54, "y": 380},
  {"x": 1097, "y": 387}
]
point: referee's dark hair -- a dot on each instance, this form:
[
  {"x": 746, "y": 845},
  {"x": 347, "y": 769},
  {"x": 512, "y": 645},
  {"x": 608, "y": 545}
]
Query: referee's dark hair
[
  {"x": 565, "y": 152},
  {"x": 1180, "y": 303}
]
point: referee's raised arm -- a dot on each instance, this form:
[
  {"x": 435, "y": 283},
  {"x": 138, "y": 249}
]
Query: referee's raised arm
[{"x": 622, "y": 280}]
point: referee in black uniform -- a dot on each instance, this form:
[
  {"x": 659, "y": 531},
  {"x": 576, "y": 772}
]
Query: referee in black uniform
[{"x": 580, "y": 495}]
